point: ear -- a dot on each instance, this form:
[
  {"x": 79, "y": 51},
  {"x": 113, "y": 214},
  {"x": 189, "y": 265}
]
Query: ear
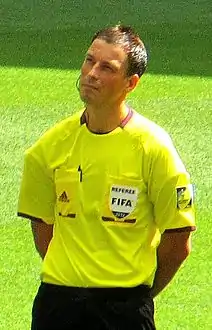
[{"x": 132, "y": 82}]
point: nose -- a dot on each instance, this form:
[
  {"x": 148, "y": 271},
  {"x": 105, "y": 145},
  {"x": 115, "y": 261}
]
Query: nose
[{"x": 94, "y": 71}]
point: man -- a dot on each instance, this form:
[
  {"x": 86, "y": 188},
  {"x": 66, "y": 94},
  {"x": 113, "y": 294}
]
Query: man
[{"x": 110, "y": 202}]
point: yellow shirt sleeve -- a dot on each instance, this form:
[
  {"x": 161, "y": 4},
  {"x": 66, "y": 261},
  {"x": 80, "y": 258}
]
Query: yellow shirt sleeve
[
  {"x": 170, "y": 189},
  {"x": 37, "y": 193}
]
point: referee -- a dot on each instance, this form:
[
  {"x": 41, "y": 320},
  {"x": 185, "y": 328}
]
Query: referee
[{"x": 109, "y": 199}]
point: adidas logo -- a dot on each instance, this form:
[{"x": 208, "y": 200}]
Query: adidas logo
[{"x": 63, "y": 198}]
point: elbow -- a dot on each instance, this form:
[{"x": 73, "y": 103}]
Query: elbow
[
  {"x": 188, "y": 248},
  {"x": 42, "y": 234},
  {"x": 175, "y": 247},
  {"x": 183, "y": 253}
]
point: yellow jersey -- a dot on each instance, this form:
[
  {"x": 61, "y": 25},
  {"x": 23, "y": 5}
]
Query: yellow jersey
[{"x": 109, "y": 196}]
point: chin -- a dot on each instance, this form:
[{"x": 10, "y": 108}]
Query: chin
[
  {"x": 87, "y": 99},
  {"x": 84, "y": 97}
]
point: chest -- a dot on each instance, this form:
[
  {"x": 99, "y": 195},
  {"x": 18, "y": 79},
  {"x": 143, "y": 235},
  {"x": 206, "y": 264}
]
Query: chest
[{"x": 102, "y": 178}]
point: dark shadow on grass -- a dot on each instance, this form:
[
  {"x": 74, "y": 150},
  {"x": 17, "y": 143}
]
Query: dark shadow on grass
[
  {"x": 62, "y": 49},
  {"x": 176, "y": 46}
]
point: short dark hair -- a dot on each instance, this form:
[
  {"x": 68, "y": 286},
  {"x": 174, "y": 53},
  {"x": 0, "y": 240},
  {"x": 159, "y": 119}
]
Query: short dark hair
[{"x": 131, "y": 43}]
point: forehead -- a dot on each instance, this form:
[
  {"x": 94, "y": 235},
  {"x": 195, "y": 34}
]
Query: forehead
[{"x": 103, "y": 51}]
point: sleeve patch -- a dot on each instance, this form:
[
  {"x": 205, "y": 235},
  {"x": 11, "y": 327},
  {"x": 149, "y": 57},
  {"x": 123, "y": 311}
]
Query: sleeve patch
[{"x": 185, "y": 196}]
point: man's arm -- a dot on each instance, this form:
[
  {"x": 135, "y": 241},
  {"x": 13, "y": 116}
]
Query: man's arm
[
  {"x": 42, "y": 234},
  {"x": 172, "y": 251}
]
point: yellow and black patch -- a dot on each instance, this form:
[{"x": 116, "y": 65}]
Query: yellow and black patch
[{"x": 185, "y": 196}]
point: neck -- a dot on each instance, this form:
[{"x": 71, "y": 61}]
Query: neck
[{"x": 105, "y": 119}]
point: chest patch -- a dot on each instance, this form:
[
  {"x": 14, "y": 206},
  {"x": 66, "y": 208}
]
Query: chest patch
[{"x": 123, "y": 200}]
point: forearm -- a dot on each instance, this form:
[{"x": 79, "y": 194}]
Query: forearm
[
  {"x": 166, "y": 270},
  {"x": 42, "y": 234},
  {"x": 174, "y": 248}
]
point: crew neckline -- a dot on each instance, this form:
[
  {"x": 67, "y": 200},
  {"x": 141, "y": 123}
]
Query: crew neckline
[{"x": 123, "y": 123}]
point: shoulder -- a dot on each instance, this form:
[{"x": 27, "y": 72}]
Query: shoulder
[
  {"x": 62, "y": 130},
  {"x": 58, "y": 137},
  {"x": 150, "y": 133},
  {"x": 155, "y": 142}
]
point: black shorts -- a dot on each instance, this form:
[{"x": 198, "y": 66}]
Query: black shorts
[{"x": 65, "y": 308}]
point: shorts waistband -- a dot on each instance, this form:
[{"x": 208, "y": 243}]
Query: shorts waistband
[{"x": 117, "y": 293}]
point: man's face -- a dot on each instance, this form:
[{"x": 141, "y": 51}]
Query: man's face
[{"x": 103, "y": 74}]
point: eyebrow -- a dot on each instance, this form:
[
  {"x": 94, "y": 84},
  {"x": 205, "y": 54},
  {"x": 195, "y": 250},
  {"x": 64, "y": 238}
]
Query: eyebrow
[
  {"x": 104, "y": 62},
  {"x": 88, "y": 54}
]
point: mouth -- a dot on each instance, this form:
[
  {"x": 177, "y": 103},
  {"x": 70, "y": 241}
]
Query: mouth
[{"x": 89, "y": 86}]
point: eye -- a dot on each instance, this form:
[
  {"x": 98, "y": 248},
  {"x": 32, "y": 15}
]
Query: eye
[
  {"x": 107, "y": 68},
  {"x": 89, "y": 59}
]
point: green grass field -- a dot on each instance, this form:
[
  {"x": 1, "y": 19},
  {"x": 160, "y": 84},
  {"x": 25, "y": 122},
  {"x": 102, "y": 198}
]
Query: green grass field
[{"x": 41, "y": 49}]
